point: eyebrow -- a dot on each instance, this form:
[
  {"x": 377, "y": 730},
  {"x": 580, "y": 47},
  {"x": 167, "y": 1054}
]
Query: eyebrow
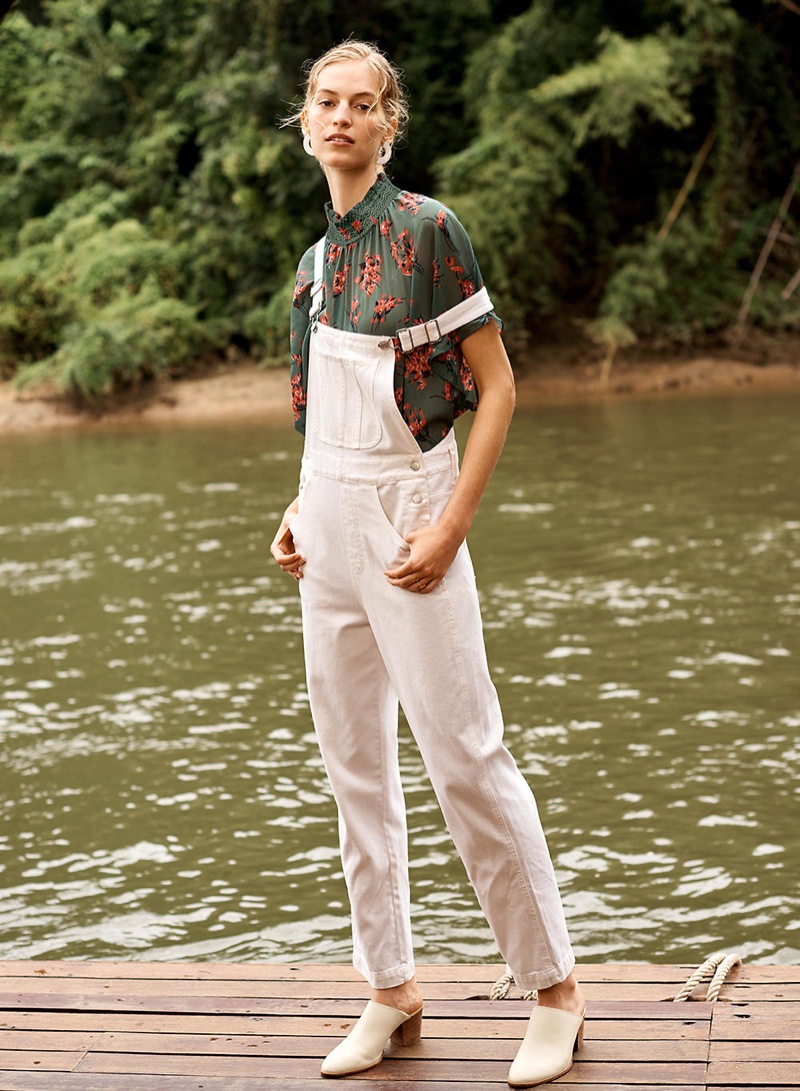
[{"x": 358, "y": 94}]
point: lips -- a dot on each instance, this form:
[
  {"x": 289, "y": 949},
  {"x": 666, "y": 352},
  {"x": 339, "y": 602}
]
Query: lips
[{"x": 339, "y": 139}]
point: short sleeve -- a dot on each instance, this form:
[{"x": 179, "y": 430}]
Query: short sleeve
[{"x": 455, "y": 272}]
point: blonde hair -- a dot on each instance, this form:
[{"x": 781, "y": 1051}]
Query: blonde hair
[{"x": 392, "y": 101}]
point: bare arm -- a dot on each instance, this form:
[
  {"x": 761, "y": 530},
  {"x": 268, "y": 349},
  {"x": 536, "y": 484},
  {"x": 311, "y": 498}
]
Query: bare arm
[{"x": 433, "y": 548}]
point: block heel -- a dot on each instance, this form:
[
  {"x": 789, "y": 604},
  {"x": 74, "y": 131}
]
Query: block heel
[{"x": 410, "y": 1032}]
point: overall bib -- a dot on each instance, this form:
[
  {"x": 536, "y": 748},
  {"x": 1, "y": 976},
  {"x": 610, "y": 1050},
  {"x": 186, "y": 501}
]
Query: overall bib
[{"x": 364, "y": 485}]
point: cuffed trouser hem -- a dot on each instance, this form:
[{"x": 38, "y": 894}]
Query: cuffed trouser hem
[
  {"x": 545, "y": 978},
  {"x": 386, "y": 979}
]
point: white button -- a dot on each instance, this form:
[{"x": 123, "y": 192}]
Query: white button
[
  {"x": 385, "y": 344},
  {"x": 416, "y": 498},
  {"x": 414, "y": 465}
]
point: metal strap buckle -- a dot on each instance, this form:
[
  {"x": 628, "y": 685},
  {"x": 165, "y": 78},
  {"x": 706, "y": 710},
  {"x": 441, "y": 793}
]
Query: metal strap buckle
[
  {"x": 433, "y": 331},
  {"x": 425, "y": 334}
]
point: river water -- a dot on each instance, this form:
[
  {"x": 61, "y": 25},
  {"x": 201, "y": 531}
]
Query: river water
[{"x": 162, "y": 797}]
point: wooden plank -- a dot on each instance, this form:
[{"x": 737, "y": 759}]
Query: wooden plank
[
  {"x": 71, "y": 1041},
  {"x": 622, "y": 1075},
  {"x": 103, "y": 1021},
  {"x": 392, "y": 1069},
  {"x": 770, "y": 973},
  {"x": 111, "y": 1001},
  {"x": 775, "y": 992},
  {"x": 15, "y": 1081},
  {"x": 291, "y": 990},
  {"x": 68, "y": 1081},
  {"x": 318, "y": 1045},
  {"x": 750, "y": 1023},
  {"x": 598, "y": 1027},
  {"x": 308, "y": 971},
  {"x": 753, "y": 1073},
  {"x": 427, "y": 973},
  {"x": 767, "y": 1051},
  {"x": 41, "y": 1060},
  {"x": 74, "y": 1081},
  {"x": 287, "y": 990}
]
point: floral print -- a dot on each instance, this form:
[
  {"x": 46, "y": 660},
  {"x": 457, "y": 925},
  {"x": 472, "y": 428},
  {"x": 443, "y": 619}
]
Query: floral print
[
  {"x": 404, "y": 253},
  {"x": 395, "y": 260},
  {"x": 385, "y": 304},
  {"x": 340, "y": 280},
  {"x": 370, "y": 276}
]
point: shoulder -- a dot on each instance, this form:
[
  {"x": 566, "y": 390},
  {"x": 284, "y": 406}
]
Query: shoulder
[
  {"x": 306, "y": 263},
  {"x": 420, "y": 207},
  {"x": 304, "y": 277},
  {"x": 430, "y": 219}
]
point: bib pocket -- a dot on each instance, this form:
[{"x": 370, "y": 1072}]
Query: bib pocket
[{"x": 341, "y": 401}]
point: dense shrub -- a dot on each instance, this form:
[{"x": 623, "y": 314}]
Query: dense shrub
[{"x": 152, "y": 209}]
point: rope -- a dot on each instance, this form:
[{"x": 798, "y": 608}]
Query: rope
[
  {"x": 717, "y": 968},
  {"x": 502, "y": 987}
]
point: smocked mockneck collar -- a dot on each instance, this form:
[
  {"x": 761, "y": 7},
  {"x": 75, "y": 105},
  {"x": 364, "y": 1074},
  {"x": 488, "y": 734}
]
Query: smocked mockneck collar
[{"x": 361, "y": 217}]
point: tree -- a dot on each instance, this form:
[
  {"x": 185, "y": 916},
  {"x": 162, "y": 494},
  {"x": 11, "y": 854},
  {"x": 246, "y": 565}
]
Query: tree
[
  {"x": 152, "y": 211},
  {"x": 588, "y": 124},
  {"x": 141, "y": 147}
]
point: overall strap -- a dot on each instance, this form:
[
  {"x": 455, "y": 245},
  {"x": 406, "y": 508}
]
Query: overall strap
[
  {"x": 427, "y": 333},
  {"x": 318, "y": 287}
]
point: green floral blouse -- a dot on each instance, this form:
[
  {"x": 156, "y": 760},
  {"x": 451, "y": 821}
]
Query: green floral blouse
[{"x": 395, "y": 259}]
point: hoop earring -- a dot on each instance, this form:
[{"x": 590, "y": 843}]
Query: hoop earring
[
  {"x": 307, "y": 144},
  {"x": 385, "y": 154}
]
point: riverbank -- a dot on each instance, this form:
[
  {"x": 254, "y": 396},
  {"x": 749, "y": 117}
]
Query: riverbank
[{"x": 247, "y": 392}]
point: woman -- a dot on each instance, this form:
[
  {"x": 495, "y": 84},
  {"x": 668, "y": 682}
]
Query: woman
[{"x": 393, "y": 336}]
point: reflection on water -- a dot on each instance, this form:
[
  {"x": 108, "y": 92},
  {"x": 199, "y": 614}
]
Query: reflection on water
[{"x": 163, "y": 797}]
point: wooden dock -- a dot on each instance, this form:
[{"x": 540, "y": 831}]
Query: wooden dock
[{"x": 144, "y": 1026}]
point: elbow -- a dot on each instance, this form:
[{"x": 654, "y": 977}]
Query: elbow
[
  {"x": 510, "y": 393},
  {"x": 512, "y": 389}
]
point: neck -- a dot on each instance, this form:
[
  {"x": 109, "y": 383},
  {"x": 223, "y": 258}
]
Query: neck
[{"x": 348, "y": 187}]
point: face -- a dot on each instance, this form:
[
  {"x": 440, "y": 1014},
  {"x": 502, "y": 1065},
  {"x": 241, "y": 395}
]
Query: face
[{"x": 344, "y": 120}]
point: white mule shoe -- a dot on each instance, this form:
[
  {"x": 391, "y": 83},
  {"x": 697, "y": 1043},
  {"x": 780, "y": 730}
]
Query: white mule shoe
[
  {"x": 546, "y": 1052},
  {"x": 363, "y": 1046}
]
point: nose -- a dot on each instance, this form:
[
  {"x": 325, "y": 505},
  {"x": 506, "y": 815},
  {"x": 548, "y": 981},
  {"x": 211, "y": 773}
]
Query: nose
[{"x": 341, "y": 115}]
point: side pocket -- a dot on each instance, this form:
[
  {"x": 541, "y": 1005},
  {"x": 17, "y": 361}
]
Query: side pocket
[
  {"x": 398, "y": 512},
  {"x": 296, "y": 523}
]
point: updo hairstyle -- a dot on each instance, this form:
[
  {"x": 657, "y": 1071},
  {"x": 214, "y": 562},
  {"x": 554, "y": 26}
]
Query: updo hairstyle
[{"x": 392, "y": 101}]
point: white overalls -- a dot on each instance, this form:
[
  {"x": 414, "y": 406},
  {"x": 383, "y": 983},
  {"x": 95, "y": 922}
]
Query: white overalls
[{"x": 364, "y": 485}]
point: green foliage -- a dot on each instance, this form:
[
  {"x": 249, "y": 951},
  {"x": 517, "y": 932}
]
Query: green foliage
[
  {"x": 126, "y": 341},
  {"x": 92, "y": 301},
  {"x": 151, "y": 209},
  {"x": 588, "y": 124},
  {"x": 142, "y": 170},
  {"x": 627, "y": 80}
]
